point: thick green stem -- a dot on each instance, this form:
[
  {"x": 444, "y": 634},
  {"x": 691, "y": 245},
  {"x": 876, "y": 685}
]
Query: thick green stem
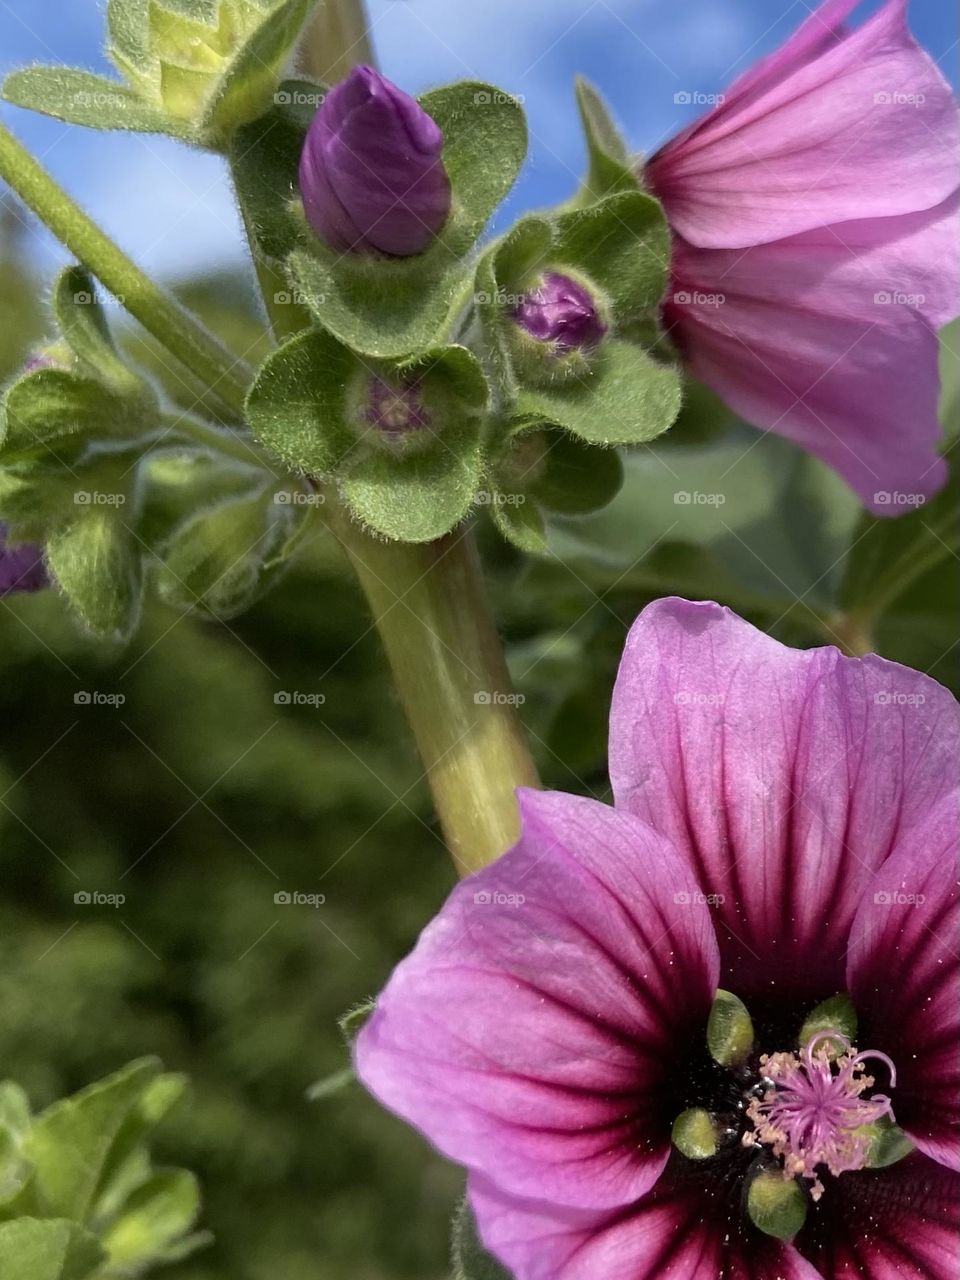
[
  {"x": 430, "y": 608},
  {"x": 159, "y": 313}
]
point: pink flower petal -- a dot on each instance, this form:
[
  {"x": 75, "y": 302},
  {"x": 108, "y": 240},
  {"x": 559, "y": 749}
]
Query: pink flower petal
[
  {"x": 826, "y": 339},
  {"x": 530, "y": 1034},
  {"x": 903, "y": 972},
  {"x": 788, "y": 777},
  {"x": 690, "y": 1227},
  {"x": 887, "y": 1224},
  {"x": 858, "y": 127}
]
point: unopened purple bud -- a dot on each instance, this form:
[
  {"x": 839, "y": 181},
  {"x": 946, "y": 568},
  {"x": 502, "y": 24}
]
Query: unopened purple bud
[
  {"x": 396, "y": 411},
  {"x": 21, "y": 567},
  {"x": 372, "y": 176},
  {"x": 561, "y": 312}
]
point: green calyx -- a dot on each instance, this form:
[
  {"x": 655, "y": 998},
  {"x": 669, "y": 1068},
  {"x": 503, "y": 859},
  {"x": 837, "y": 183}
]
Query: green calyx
[
  {"x": 194, "y": 69},
  {"x": 696, "y": 1134},
  {"x": 729, "y": 1030},
  {"x": 541, "y": 471},
  {"x": 403, "y": 440},
  {"x": 614, "y": 392},
  {"x": 777, "y": 1206}
]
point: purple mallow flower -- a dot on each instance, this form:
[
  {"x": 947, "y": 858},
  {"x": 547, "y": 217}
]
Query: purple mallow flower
[
  {"x": 561, "y": 312},
  {"x": 372, "y": 175},
  {"x": 21, "y": 567},
  {"x": 785, "y": 829}
]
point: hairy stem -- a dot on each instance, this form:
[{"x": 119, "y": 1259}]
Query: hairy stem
[
  {"x": 159, "y": 313},
  {"x": 431, "y": 611},
  {"x": 336, "y": 40}
]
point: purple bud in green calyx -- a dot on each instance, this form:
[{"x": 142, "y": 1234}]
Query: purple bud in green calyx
[
  {"x": 562, "y": 312},
  {"x": 21, "y": 567},
  {"x": 372, "y": 176},
  {"x": 396, "y": 411}
]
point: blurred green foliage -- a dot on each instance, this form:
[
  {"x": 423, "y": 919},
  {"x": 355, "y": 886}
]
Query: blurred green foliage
[{"x": 200, "y": 797}]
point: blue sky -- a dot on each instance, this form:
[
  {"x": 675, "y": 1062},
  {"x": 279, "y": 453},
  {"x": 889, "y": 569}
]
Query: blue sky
[{"x": 172, "y": 209}]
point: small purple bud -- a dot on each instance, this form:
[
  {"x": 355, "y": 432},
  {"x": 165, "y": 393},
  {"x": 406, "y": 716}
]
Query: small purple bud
[
  {"x": 21, "y": 567},
  {"x": 562, "y": 312},
  {"x": 396, "y": 411},
  {"x": 372, "y": 175}
]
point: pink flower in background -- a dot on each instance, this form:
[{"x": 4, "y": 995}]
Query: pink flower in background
[
  {"x": 785, "y": 828},
  {"x": 815, "y": 247},
  {"x": 21, "y": 567}
]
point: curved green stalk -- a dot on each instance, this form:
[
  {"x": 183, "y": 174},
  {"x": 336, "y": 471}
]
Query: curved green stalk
[{"x": 159, "y": 313}]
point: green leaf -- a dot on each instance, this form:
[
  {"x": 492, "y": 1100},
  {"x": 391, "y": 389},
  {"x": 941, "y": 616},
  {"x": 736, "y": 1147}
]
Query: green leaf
[
  {"x": 622, "y": 243},
  {"x": 51, "y": 1249},
  {"x": 624, "y": 398},
  {"x": 578, "y": 478},
  {"x": 610, "y": 169},
  {"x": 381, "y": 307},
  {"x": 83, "y": 324},
  {"x": 419, "y": 497},
  {"x": 296, "y": 405},
  {"x": 246, "y": 89},
  {"x": 485, "y": 143},
  {"x": 97, "y": 563},
  {"x": 707, "y": 522},
  {"x": 889, "y": 554},
  {"x": 217, "y": 559},
  {"x": 393, "y": 307},
  {"x": 15, "y": 1121},
  {"x": 729, "y": 1030},
  {"x": 265, "y": 160},
  {"x": 128, "y": 26},
  {"x": 520, "y": 520},
  {"x": 543, "y": 471},
  {"x": 156, "y": 1216},
  {"x": 470, "y": 1260},
  {"x": 71, "y": 1142},
  {"x": 79, "y": 97}
]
